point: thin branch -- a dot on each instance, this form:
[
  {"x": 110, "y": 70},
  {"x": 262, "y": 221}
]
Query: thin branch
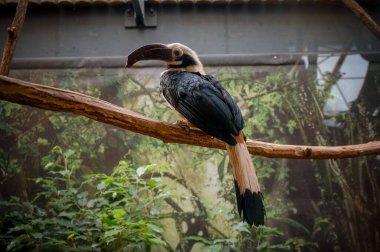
[
  {"x": 56, "y": 99},
  {"x": 363, "y": 16},
  {"x": 347, "y": 190},
  {"x": 13, "y": 33}
]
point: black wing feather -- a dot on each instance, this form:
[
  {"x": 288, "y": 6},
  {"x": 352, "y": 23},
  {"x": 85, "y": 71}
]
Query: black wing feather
[{"x": 204, "y": 102}]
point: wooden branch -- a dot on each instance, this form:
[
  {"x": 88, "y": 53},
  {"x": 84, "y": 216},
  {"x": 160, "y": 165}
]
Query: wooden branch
[
  {"x": 363, "y": 16},
  {"x": 56, "y": 99},
  {"x": 13, "y": 33}
]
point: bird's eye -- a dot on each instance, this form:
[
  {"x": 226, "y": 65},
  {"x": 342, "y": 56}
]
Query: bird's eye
[{"x": 177, "y": 52}]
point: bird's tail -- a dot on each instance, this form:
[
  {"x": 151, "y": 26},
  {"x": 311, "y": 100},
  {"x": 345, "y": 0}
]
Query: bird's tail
[{"x": 248, "y": 196}]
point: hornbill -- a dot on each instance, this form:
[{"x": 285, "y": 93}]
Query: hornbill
[{"x": 205, "y": 104}]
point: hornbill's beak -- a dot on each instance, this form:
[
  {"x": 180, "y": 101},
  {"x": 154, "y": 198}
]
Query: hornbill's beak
[{"x": 150, "y": 52}]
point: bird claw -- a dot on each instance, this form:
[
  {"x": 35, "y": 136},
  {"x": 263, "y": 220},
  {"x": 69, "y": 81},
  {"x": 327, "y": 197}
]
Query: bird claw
[{"x": 184, "y": 125}]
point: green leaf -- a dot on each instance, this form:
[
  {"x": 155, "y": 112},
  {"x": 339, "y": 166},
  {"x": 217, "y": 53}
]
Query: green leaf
[
  {"x": 112, "y": 232},
  {"x": 154, "y": 182},
  {"x": 155, "y": 228},
  {"x": 101, "y": 186},
  {"x": 26, "y": 228},
  {"x": 141, "y": 170},
  {"x": 157, "y": 241},
  {"x": 241, "y": 227},
  {"x": 52, "y": 165},
  {"x": 36, "y": 235},
  {"x": 215, "y": 248},
  {"x": 17, "y": 242},
  {"x": 268, "y": 232},
  {"x": 123, "y": 163},
  {"x": 68, "y": 215},
  {"x": 294, "y": 224},
  {"x": 56, "y": 149},
  {"x": 91, "y": 203},
  {"x": 263, "y": 246},
  {"x": 70, "y": 236},
  {"x": 117, "y": 213}
]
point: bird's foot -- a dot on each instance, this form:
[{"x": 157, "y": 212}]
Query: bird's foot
[{"x": 184, "y": 124}]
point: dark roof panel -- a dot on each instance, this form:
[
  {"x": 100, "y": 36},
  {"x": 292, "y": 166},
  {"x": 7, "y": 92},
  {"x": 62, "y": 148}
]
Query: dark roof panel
[{"x": 116, "y": 2}]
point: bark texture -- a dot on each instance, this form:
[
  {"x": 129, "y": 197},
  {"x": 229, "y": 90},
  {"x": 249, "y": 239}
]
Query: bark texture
[
  {"x": 363, "y": 16},
  {"x": 13, "y": 34}
]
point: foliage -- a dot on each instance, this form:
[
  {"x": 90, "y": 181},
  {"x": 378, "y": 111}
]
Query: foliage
[{"x": 100, "y": 213}]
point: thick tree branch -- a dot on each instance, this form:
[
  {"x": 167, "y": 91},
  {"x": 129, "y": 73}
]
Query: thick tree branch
[
  {"x": 13, "y": 33},
  {"x": 55, "y": 99},
  {"x": 363, "y": 16}
]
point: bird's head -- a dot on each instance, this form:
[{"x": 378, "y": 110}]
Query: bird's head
[{"x": 176, "y": 56}]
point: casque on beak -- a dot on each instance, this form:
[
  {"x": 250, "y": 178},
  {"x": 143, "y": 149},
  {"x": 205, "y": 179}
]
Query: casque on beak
[{"x": 150, "y": 52}]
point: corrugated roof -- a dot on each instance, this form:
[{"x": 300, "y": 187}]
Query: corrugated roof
[{"x": 118, "y": 2}]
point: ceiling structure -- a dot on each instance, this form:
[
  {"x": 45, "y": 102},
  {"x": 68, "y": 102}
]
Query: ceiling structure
[{"x": 118, "y": 2}]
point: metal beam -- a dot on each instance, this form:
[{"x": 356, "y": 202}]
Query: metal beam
[
  {"x": 207, "y": 60},
  {"x": 137, "y": 16},
  {"x": 139, "y": 7}
]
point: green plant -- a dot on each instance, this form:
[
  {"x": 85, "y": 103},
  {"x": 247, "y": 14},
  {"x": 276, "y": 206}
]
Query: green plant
[{"x": 98, "y": 213}]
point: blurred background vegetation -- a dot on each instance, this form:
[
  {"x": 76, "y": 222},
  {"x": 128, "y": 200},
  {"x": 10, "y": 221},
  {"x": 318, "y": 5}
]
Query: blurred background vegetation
[{"x": 72, "y": 184}]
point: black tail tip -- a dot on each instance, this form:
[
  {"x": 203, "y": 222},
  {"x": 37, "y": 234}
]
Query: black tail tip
[{"x": 252, "y": 206}]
